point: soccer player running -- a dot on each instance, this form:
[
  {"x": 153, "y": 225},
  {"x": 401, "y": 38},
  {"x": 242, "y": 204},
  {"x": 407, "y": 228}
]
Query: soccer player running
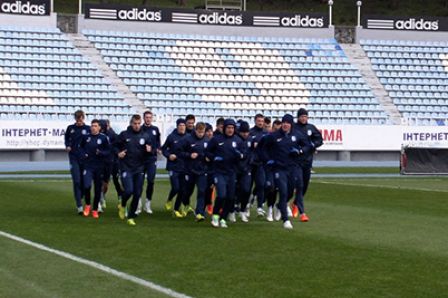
[
  {"x": 258, "y": 174},
  {"x": 314, "y": 140},
  {"x": 94, "y": 148},
  {"x": 270, "y": 190},
  {"x": 209, "y": 191},
  {"x": 244, "y": 175},
  {"x": 150, "y": 160},
  {"x": 225, "y": 151},
  {"x": 171, "y": 149},
  {"x": 193, "y": 152},
  {"x": 72, "y": 138},
  {"x": 111, "y": 165},
  {"x": 280, "y": 149},
  {"x": 133, "y": 145}
]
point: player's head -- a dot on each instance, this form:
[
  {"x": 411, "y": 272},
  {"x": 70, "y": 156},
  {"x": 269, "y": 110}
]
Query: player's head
[
  {"x": 276, "y": 125},
  {"x": 104, "y": 124},
  {"x": 287, "y": 122},
  {"x": 95, "y": 126},
  {"x": 302, "y": 116},
  {"x": 220, "y": 124},
  {"x": 135, "y": 122},
  {"x": 180, "y": 125},
  {"x": 259, "y": 120},
  {"x": 267, "y": 123},
  {"x": 243, "y": 130},
  {"x": 147, "y": 118},
  {"x": 208, "y": 130},
  {"x": 199, "y": 129},
  {"x": 79, "y": 116},
  {"x": 189, "y": 121},
  {"x": 229, "y": 127}
]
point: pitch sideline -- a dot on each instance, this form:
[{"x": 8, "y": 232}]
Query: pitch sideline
[{"x": 98, "y": 266}]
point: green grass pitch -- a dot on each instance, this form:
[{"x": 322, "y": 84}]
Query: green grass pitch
[{"x": 366, "y": 238}]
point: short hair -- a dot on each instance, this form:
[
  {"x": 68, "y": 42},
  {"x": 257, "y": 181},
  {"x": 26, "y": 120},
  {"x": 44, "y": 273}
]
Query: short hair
[
  {"x": 200, "y": 126},
  {"x": 190, "y": 117},
  {"x": 79, "y": 113},
  {"x": 147, "y": 113},
  {"x": 96, "y": 121},
  {"x": 267, "y": 120},
  {"x": 220, "y": 121},
  {"x": 259, "y": 116},
  {"x": 135, "y": 117},
  {"x": 277, "y": 122}
]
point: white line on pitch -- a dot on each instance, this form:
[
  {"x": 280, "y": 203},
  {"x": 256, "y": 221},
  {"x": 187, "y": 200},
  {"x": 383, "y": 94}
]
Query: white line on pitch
[
  {"x": 380, "y": 186},
  {"x": 122, "y": 275}
]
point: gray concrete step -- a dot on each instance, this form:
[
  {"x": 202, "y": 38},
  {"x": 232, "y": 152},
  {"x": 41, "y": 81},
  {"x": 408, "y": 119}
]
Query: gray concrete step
[
  {"x": 87, "y": 49},
  {"x": 358, "y": 58}
]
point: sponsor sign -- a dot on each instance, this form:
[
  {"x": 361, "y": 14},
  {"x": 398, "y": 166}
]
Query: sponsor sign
[
  {"x": 26, "y": 7},
  {"x": 431, "y": 24},
  {"x": 204, "y": 17},
  {"x": 50, "y": 135},
  {"x": 387, "y": 137}
]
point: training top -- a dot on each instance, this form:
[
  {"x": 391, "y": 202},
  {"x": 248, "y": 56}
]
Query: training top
[
  {"x": 192, "y": 144},
  {"x": 72, "y": 138},
  {"x": 225, "y": 152},
  {"x": 134, "y": 142},
  {"x": 173, "y": 145},
  {"x": 313, "y": 137},
  {"x": 94, "y": 149},
  {"x": 153, "y": 132},
  {"x": 281, "y": 149}
]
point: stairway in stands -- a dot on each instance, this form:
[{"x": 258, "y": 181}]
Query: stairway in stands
[
  {"x": 359, "y": 59},
  {"x": 89, "y": 51}
]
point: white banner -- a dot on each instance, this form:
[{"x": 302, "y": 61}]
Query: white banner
[
  {"x": 382, "y": 138},
  {"x": 50, "y": 135}
]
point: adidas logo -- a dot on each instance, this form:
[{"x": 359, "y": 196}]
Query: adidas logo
[
  {"x": 140, "y": 15},
  {"x": 220, "y": 19},
  {"x": 299, "y": 21},
  {"x": 413, "y": 24},
  {"x": 20, "y": 7}
]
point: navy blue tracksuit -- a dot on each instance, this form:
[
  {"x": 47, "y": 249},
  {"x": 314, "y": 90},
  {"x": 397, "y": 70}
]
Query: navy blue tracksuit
[
  {"x": 225, "y": 152},
  {"x": 111, "y": 167},
  {"x": 281, "y": 149},
  {"x": 175, "y": 167},
  {"x": 72, "y": 139},
  {"x": 314, "y": 140},
  {"x": 151, "y": 160},
  {"x": 196, "y": 169},
  {"x": 244, "y": 175},
  {"x": 270, "y": 191},
  {"x": 258, "y": 173},
  {"x": 131, "y": 166},
  {"x": 94, "y": 149}
]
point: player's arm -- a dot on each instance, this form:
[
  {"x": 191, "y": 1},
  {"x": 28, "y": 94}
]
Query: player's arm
[
  {"x": 67, "y": 139},
  {"x": 166, "y": 147},
  {"x": 316, "y": 137}
]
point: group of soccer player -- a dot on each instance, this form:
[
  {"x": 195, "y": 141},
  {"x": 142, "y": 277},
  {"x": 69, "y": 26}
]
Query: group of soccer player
[{"x": 231, "y": 167}]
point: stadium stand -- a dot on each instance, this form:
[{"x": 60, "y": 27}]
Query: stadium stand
[
  {"x": 44, "y": 77},
  {"x": 414, "y": 73},
  {"x": 212, "y": 76}
]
